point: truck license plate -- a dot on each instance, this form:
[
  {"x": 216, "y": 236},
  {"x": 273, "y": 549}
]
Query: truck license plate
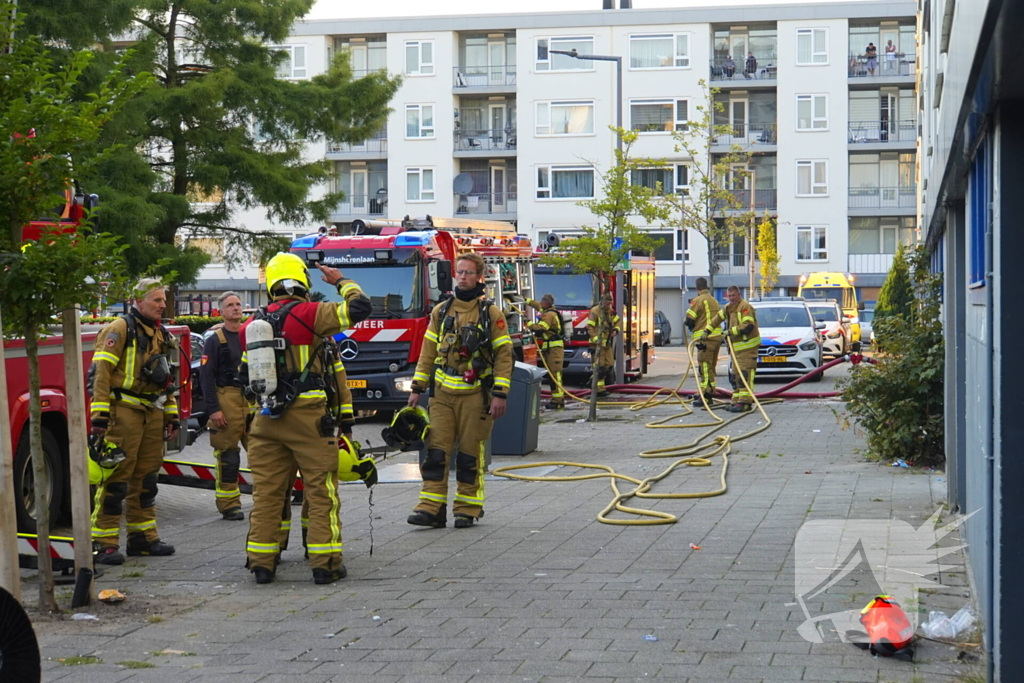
[
  {"x": 356, "y": 383},
  {"x": 772, "y": 359}
]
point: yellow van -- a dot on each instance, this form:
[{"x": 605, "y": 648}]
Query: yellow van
[{"x": 838, "y": 286}]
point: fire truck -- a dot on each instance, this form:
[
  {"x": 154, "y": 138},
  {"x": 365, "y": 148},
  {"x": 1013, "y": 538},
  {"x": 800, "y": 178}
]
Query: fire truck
[
  {"x": 632, "y": 286},
  {"x": 405, "y": 268}
]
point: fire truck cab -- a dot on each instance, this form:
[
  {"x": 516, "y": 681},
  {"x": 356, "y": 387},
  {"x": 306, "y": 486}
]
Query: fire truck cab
[{"x": 405, "y": 268}]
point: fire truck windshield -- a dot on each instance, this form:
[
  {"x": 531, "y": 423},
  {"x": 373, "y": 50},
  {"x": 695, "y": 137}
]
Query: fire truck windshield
[
  {"x": 570, "y": 290},
  {"x": 395, "y": 290}
]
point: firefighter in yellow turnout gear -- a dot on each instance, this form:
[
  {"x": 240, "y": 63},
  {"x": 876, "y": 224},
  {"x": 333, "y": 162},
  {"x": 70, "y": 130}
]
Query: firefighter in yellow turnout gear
[
  {"x": 134, "y": 409},
  {"x": 700, "y": 318},
  {"x": 602, "y": 343},
  {"x": 552, "y": 345},
  {"x": 741, "y": 327},
  {"x": 226, "y": 405},
  {"x": 468, "y": 362},
  {"x": 296, "y": 426}
]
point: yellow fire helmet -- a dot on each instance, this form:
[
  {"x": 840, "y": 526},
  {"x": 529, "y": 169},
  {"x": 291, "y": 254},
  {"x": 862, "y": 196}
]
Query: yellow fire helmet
[
  {"x": 287, "y": 272},
  {"x": 352, "y": 466}
]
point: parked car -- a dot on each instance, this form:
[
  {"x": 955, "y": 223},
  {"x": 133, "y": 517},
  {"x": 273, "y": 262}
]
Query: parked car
[
  {"x": 790, "y": 339},
  {"x": 867, "y": 332},
  {"x": 837, "y": 336},
  {"x": 662, "y": 329}
]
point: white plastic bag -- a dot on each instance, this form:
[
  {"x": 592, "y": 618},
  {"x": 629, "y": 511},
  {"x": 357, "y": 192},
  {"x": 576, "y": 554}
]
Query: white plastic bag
[{"x": 938, "y": 626}]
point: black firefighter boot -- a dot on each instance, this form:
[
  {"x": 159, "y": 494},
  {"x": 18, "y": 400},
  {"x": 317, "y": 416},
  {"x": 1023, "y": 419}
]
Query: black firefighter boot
[
  {"x": 138, "y": 545},
  {"x": 424, "y": 518}
]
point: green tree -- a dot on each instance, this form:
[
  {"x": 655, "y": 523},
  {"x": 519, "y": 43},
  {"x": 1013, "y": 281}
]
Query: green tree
[
  {"x": 219, "y": 133},
  {"x": 717, "y": 206},
  {"x": 767, "y": 254},
  {"x": 46, "y": 128},
  {"x": 899, "y": 400},
  {"x": 601, "y": 248},
  {"x": 897, "y": 295}
]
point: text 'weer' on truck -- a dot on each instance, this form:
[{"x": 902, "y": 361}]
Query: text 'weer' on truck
[{"x": 405, "y": 268}]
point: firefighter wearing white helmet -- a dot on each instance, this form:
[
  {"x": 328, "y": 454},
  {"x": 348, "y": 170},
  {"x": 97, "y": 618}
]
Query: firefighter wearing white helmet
[{"x": 302, "y": 406}]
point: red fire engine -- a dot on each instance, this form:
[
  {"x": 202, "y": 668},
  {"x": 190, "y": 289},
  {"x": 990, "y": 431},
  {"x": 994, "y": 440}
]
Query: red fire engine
[{"x": 405, "y": 267}]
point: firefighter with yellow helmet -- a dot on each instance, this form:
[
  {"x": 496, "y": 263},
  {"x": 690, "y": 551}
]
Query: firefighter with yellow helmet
[
  {"x": 466, "y": 359},
  {"x": 133, "y": 409},
  {"x": 603, "y": 324},
  {"x": 292, "y": 367},
  {"x": 707, "y": 337},
  {"x": 549, "y": 336},
  {"x": 741, "y": 328}
]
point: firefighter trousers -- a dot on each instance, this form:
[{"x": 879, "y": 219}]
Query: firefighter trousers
[
  {"x": 140, "y": 433},
  {"x": 707, "y": 364},
  {"x": 554, "y": 358},
  {"x": 747, "y": 364},
  {"x": 277, "y": 447},
  {"x": 603, "y": 360},
  {"x": 462, "y": 420},
  {"x": 286, "y": 516},
  {"x": 226, "y": 444}
]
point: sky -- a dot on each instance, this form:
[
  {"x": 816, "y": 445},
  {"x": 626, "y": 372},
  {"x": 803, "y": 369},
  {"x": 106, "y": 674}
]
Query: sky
[{"x": 348, "y": 9}]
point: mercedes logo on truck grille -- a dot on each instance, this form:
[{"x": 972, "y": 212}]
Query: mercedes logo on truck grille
[{"x": 349, "y": 349}]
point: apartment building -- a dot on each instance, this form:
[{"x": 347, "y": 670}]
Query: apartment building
[{"x": 492, "y": 121}]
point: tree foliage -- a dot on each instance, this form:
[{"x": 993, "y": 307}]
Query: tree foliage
[
  {"x": 713, "y": 208},
  {"x": 899, "y": 401},
  {"x": 218, "y": 134},
  {"x": 767, "y": 254},
  {"x": 896, "y": 297}
]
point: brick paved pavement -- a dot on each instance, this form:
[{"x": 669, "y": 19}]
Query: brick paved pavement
[{"x": 539, "y": 591}]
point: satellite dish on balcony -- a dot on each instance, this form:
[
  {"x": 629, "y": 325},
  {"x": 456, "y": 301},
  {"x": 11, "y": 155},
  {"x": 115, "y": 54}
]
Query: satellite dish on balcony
[{"x": 463, "y": 183}]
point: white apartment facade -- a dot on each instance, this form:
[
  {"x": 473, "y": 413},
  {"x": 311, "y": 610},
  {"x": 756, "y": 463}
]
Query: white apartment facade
[{"x": 489, "y": 122}]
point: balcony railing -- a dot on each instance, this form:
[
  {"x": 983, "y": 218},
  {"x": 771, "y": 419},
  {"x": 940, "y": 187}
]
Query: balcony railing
[
  {"x": 373, "y": 145},
  {"x": 481, "y": 203},
  {"x": 883, "y": 197},
  {"x": 898, "y": 64},
  {"x": 468, "y": 140},
  {"x": 736, "y": 264},
  {"x": 763, "y": 199},
  {"x": 498, "y": 76},
  {"x": 748, "y": 134},
  {"x": 739, "y": 70},
  {"x": 363, "y": 205},
  {"x": 883, "y": 131},
  {"x": 869, "y": 263}
]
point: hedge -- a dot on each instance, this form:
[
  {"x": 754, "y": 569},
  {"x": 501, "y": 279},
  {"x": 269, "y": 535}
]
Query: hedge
[{"x": 196, "y": 323}]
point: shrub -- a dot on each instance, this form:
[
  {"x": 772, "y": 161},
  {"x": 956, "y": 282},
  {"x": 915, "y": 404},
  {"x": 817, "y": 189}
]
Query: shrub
[
  {"x": 899, "y": 400},
  {"x": 198, "y": 323}
]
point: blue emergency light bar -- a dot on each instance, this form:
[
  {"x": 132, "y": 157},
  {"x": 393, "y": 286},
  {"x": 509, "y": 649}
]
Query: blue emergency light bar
[
  {"x": 414, "y": 238},
  {"x": 306, "y": 241}
]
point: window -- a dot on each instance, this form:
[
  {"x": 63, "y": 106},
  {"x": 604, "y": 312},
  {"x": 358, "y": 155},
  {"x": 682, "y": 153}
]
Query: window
[
  {"x": 812, "y": 112},
  {"x": 663, "y": 180},
  {"x": 419, "y": 121},
  {"x": 419, "y": 57},
  {"x": 812, "y": 243},
  {"x": 667, "y": 51},
  {"x": 565, "y": 118},
  {"x": 812, "y": 178},
  {"x": 294, "y": 65},
  {"x": 979, "y": 213},
  {"x": 683, "y": 180},
  {"x": 673, "y": 246},
  {"x": 565, "y": 182},
  {"x": 549, "y": 62},
  {"x": 812, "y": 46},
  {"x": 659, "y": 116},
  {"x": 873, "y": 235},
  {"x": 419, "y": 184}
]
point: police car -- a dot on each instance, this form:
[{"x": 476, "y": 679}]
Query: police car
[{"x": 790, "y": 339}]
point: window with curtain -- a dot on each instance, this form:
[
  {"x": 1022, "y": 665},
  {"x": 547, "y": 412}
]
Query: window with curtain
[
  {"x": 660, "y": 180},
  {"x": 566, "y": 182},
  {"x": 419, "y": 120},
  {"x": 546, "y": 61},
  {"x": 873, "y": 235},
  {"x": 812, "y": 243},
  {"x": 419, "y": 184},
  {"x": 659, "y": 116},
  {"x": 294, "y": 65},
  {"x": 665, "y": 51},
  {"x": 811, "y": 46},
  {"x": 565, "y": 118},
  {"x": 419, "y": 57},
  {"x": 812, "y": 112},
  {"x": 812, "y": 178}
]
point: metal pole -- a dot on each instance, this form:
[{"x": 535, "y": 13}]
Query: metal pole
[
  {"x": 78, "y": 448},
  {"x": 10, "y": 576}
]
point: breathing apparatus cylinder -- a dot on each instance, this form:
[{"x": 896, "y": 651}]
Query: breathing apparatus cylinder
[
  {"x": 259, "y": 338},
  {"x": 566, "y": 325}
]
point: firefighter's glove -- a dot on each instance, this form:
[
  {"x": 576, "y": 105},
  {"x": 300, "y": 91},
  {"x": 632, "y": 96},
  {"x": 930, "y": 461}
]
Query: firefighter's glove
[
  {"x": 173, "y": 424},
  {"x": 100, "y": 422},
  {"x": 701, "y": 346}
]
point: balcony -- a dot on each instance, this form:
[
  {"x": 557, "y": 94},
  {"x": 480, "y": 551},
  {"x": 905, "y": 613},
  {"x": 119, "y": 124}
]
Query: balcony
[
  {"x": 888, "y": 199},
  {"x": 484, "y": 79},
  {"x": 361, "y": 205},
  {"x": 724, "y": 72},
  {"x": 488, "y": 143},
  {"x": 865, "y": 264},
  {"x": 883, "y": 133},
  {"x": 898, "y": 67},
  {"x": 764, "y": 199},
  {"x": 735, "y": 264},
  {"x": 374, "y": 148},
  {"x": 494, "y": 204},
  {"x": 746, "y": 135}
]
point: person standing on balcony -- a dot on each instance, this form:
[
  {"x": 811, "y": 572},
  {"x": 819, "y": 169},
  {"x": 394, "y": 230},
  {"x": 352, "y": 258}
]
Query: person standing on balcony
[
  {"x": 729, "y": 66},
  {"x": 871, "y": 55},
  {"x": 890, "y": 57},
  {"x": 750, "y": 70}
]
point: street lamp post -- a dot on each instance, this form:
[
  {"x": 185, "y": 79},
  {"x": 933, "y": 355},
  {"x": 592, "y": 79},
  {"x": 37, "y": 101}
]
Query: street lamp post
[{"x": 619, "y": 362}]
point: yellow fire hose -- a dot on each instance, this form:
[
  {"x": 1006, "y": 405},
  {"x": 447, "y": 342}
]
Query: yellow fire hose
[{"x": 687, "y": 454}]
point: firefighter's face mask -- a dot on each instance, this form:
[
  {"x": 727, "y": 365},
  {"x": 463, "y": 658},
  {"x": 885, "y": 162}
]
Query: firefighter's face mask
[
  {"x": 470, "y": 337},
  {"x": 158, "y": 371}
]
